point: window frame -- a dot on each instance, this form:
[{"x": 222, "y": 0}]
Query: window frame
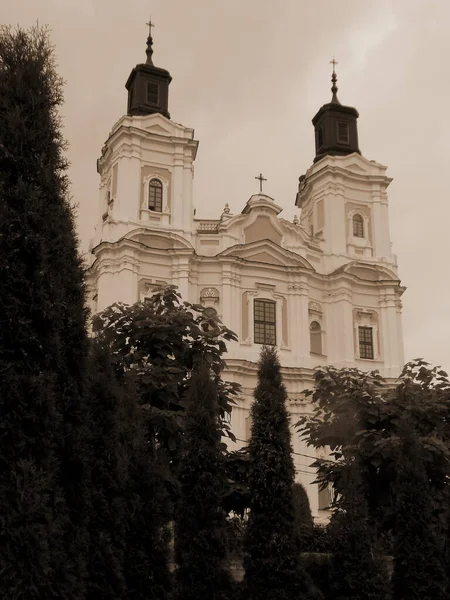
[
  {"x": 158, "y": 206},
  {"x": 318, "y": 333},
  {"x": 265, "y": 323},
  {"x": 366, "y": 347},
  {"x": 358, "y": 229},
  {"x": 155, "y": 88},
  {"x": 341, "y": 140},
  {"x": 320, "y": 138}
]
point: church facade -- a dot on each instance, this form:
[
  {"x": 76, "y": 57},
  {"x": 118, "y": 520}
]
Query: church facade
[{"x": 322, "y": 288}]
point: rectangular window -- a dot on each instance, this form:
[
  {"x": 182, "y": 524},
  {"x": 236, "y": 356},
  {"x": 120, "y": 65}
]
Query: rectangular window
[
  {"x": 265, "y": 321},
  {"x": 365, "y": 335},
  {"x": 325, "y": 498},
  {"x": 343, "y": 133},
  {"x": 320, "y": 138},
  {"x": 152, "y": 93}
]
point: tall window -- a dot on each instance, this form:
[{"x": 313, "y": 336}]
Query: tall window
[
  {"x": 325, "y": 498},
  {"x": 265, "y": 319},
  {"x": 365, "y": 335},
  {"x": 315, "y": 338},
  {"x": 152, "y": 93},
  {"x": 155, "y": 193},
  {"x": 343, "y": 133},
  {"x": 320, "y": 138},
  {"x": 358, "y": 226}
]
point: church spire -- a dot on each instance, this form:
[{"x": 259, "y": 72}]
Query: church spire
[
  {"x": 149, "y": 51},
  {"x": 335, "y": 125},
  {"x": 148, "y": 86},
  {"x": 334, "y": 88}
]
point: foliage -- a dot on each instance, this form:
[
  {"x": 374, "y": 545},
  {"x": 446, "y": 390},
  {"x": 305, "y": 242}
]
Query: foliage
[
  {"x": 108, "y": 471},
  {"x": 272, "y": 568},
  {"x": 159, "y": 343},
  {"x": 358, "y": 416},
  {"x": 357, "y": 569},
  {"x": 418, "y": 552},
  {"x": 200, "y": 525},
  {"x": 236, "y": 496},
  {"x": 43, "y": 341},
  {"x": 303, "y": 521}
]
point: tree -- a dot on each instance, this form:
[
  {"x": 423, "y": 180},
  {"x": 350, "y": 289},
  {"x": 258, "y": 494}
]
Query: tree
[
  {"x": 43, "y": 340},
  {"x": 108, "y": 467},
  {"x": 271, "y": 562},
  {"x": 357, "y": 569},
  {"x": 159, "y": 343},
  {"x": 200, "y": 523},
  {"x": 418, "y": 552},
  {"x": 358, "y": 416},
  {"x": 128, "y": 553},
  {"x": 303, "y": 521}
]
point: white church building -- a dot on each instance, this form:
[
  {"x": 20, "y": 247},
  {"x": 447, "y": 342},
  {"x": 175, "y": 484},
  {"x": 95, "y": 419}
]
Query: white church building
[{"x": 322, "y": 288}]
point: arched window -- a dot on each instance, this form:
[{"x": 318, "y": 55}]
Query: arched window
[
  {"x": 358, "y": 226},
  {"x": 315, "y": 337},
  {"x": 155, "y": 194}
]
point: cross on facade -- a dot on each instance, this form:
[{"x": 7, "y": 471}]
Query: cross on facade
[
  {"x": 260, "y": 178},
  {"x": 334, "y": 62},
  {"x": 150, "y": 25}
]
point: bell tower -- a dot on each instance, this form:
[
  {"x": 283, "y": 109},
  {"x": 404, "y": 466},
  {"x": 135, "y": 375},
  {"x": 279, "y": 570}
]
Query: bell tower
[
  {"x": 343, "y": 196},
  {"x": 148, "y": 86},
  {"x": 145, "y": 203},
  {"x": 335, "y": 126}
]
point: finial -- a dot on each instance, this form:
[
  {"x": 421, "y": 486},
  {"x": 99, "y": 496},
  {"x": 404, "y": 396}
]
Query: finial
[
  {"x": 334, "y": 88},
  {"x": 295, "y": 220},
  {"x": 261, "y": 179},
  {"x": 226, "y": 210},
  {"x": 149, "y": 50}
]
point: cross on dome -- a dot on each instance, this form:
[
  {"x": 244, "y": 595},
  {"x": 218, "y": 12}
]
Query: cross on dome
[
  {"x": 150, "y": 25},
  {"x": 260, "y": 178}
]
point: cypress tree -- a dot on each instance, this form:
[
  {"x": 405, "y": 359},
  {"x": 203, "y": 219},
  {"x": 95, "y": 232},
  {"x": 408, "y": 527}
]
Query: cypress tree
[
  {"x": 271, "y": 562},
  {"x": 418, "y": 552},
  {"x": 147, "y": 508},
  {"x": 108, "y": 464},
  {"x": 43, "y": 341},
  {"x": 200, "y": 523},
  {"x": 357, "y": 570},
  {"x": 303, "y": 521}
]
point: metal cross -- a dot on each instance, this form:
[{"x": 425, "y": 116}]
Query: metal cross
[
  {"x": 334, "y": 63},
  {"x": 260, "y": 179},
  {"x": 150, "y": 25}
]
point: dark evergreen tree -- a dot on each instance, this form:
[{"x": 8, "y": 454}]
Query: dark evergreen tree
[
  {"x": 200, "y": 523},
  {"x": 148, "y": 509},
  {"x": 358, "y": 570},
  {"x": 418, "y": 551},
  {"x": 43, "y": 341},
  {"x": 303, "y": 521},
  {"x": 272, "y": 568},
  {"x": 108, "y": 467}
]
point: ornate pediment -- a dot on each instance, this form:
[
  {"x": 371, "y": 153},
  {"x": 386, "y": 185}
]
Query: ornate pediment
[
  {"x": 267, "y": 252},
  {"x": 368, "y": 272},
  {"x": 158, "y": 129}
]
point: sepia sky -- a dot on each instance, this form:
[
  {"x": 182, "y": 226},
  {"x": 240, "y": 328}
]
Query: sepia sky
[{"x": 248, "y": 76}]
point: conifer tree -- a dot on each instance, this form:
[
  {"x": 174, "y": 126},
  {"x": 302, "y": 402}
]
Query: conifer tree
[
  {"x": 272, "y": 568},
  {"x": 146, "y": 567},
  {"x": 418, "y": 552},
  {"x": 108, "y": 466},
  {"x": 200, "y": 523},
  {"x": 357, "y": 570},
  {"x": 43, "y": 341},
  {"x": 303, "y": 521}
]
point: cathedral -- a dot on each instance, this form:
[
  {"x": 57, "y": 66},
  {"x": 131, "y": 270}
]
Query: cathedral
[{"x": 323, "y": 288}]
